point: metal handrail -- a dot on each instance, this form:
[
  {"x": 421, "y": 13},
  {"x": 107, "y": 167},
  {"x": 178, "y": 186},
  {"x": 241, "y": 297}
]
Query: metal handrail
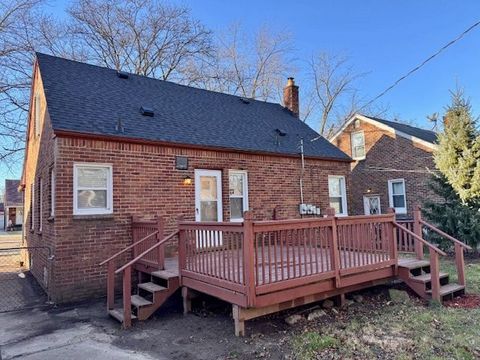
[
  {"x": 153, "y": 247},
  {"x": 440, "y": 232},
  {"x": 128, "y": 248},
  {"x": 425, "y": 242}
]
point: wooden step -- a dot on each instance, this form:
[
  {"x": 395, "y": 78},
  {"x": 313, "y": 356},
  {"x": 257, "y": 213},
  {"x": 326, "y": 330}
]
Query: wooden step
[
  {"x": 164, "y": 274},
  {"x": 427, "y": 277},
  {"x": 448, "y": 289},
  {"x": 138, "y": 301},
  {"x": 413, "y": 263},
  {"x": 150, "y": 286},
  {"x": 118, "y": 314}
]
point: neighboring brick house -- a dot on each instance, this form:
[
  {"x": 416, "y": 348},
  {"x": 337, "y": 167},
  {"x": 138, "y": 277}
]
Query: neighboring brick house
[
  {"x": 103, "y": 146},
  {"x": 13, "y": 205},
  {"x": 392, "y": 165}
]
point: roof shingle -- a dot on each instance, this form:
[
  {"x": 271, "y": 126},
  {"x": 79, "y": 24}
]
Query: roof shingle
[{"x": 94, "y": 100}]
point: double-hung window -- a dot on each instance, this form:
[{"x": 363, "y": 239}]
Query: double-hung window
[
  {"x": 397, "y": 195},
  {"x": 52, "y": 193},
  {"x": 238, "y": 192},
  {"x": 32, "y": 206},
  {"x": 40, "y": 204},
  {"x": 337, "y": 194},
  {"x": 358, "y": 145},
  {"x": 92, "y": 189}
]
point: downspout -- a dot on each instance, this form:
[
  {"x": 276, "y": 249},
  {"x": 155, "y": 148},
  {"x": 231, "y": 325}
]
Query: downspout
[{"x": 302, "y": 171}]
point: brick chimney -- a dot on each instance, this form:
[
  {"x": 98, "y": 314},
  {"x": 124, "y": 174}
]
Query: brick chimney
[{"x": 290, "y": 97}]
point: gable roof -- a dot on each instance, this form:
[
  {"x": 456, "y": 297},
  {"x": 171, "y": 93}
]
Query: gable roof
[
  {"x": 426, "y": 137},
  {"x": 88, "y": 99},
  {"x": 12, "y": 196}
]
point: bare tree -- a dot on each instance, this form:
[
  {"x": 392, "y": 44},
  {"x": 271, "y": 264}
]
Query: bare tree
[
  {"x": 145, "y": 37},
  {"x": 253, "y": 65}
]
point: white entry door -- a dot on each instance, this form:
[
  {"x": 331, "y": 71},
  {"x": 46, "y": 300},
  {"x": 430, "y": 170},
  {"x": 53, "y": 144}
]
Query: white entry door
[
  {"x": 208, "y": 204},
  {"x": 371, "y": 205}
]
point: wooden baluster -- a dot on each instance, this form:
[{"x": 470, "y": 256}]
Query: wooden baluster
[
  {"x": 335, "y": 260},
  {"x": 248, "y": 257},
  {"x": 287, "y": 245},
  {"x": 435, "y": 275},
  {"x": 161, "y": 248},
  {"x": 460, "y": 263},
  {"x": 127, "y": 297},
  {"x": 110, "y": 285},
  {"x": 417, "y": 226}
]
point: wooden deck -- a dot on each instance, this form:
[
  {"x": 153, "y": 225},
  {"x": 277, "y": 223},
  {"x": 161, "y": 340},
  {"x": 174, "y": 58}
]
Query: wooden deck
[{"x": 262, "y": 267}]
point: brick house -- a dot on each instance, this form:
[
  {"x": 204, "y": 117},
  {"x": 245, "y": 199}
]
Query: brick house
[
  {"x": 104, "y": 145},
  {"x": 13, "y": 205},
  {"x": 392, "y": 164}
]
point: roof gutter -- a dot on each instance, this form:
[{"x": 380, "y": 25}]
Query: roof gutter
[{"x": 77, "y": 134}]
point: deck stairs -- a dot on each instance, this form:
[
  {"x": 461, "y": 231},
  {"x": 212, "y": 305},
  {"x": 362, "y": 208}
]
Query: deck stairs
[
  {"x": 416, "y": 274},
  {"x": 151, "y": 292}
]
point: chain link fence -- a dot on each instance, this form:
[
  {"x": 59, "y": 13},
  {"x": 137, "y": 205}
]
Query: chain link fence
[{"x": 18, "y": 287}]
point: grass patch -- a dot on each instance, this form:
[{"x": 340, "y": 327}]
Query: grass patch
[
  {"x": 377, "y": 328},
  {"x": 308, "y": 344}
]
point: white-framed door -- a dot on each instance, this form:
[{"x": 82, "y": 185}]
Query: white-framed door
[
  {"x": 208, "y": 204},
  {"x": 371, "y": 205}
]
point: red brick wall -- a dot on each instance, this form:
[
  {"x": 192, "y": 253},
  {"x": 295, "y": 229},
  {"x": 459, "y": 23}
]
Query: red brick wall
[
  {"x": 145, "y": 183},
  {"x": 39, "y": 162},
  {"x": 403, "y": 159}
]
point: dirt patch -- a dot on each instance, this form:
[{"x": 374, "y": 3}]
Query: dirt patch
[{"x": 465, "y": 302}]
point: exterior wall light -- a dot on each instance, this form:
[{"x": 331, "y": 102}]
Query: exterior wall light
[
  {"x": 369, "y": 190},
  {"x": 187, "y": 180}
]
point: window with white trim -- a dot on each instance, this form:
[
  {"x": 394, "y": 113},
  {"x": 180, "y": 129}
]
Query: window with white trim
[
  {"x": 92, "y": 189},
  {"x": 37, "y": 110},
  {"x": 238, "y": 192},
  {"x": 358, "y": 145},
  {"x": 40, "y": 204},
  {"x": 52, "y": 193},
  {"x": 337, "y": 194},
  {"x": 397, "y": 195}
]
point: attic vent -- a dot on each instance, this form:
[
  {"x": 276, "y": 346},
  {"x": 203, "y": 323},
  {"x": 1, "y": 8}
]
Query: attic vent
[
  {"x": 245, "y": 100},
  {"x": 122, "y": 75},
  {"x": 146, "y": 111},
  {"x": 280, "y": 132}
]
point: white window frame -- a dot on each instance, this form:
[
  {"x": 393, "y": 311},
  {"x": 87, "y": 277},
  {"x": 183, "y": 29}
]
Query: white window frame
[
  {"x": 37, "y": 110},
  {"x": 343, "y": 188},
  {"x": 398, "y": 210},
  {"x": 354, "y": 157},
  {"x": 245, "y": 192},
  {"x": 52, "y": 193},
  {"x": 93, "y": 211},
  {"x": 40, "y": 204}
]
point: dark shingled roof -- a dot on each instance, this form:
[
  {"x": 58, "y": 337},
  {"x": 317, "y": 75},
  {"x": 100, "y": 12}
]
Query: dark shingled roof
[
  {"x": 91, "y": 99},
  {"x": 426, "y": 135},
  {"x": 12, "y": 196}
]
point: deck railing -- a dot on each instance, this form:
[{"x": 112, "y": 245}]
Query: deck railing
[
  {"x": 406, "y": 242},
  {"x": 255, "y": 258}
]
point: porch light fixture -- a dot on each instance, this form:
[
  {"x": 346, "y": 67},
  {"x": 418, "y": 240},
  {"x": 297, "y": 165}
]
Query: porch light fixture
[
  {"x": 187, "y": 180},
  {"x": 369, "y": 190}
]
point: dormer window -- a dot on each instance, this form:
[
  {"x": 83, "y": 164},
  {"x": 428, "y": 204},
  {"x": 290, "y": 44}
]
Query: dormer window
[{"x": 358, "y": 145}]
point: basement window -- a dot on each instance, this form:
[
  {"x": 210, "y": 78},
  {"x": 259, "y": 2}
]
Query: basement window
[{"x": 93, "y": 189}]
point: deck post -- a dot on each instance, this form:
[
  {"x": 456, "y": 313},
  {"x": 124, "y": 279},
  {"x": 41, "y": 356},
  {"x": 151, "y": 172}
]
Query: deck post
[
  {"x": 239, "y": 320},
  {"x": 182, "y": 247},
  {"x": 110, "y": 285},
  {"x": 335, "y": 250},
  {"x": 187, "y": 300},
  {"x": 435, "y": 275},
  {"x": 417, "y": 229},
  {"x": 161, "y": 248},
  {"x": 460, "y": 263},
  {"x": 249, "y": 257},
  {"x": 127, "y": 297},
  {"x": 394, "y": 241}
]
